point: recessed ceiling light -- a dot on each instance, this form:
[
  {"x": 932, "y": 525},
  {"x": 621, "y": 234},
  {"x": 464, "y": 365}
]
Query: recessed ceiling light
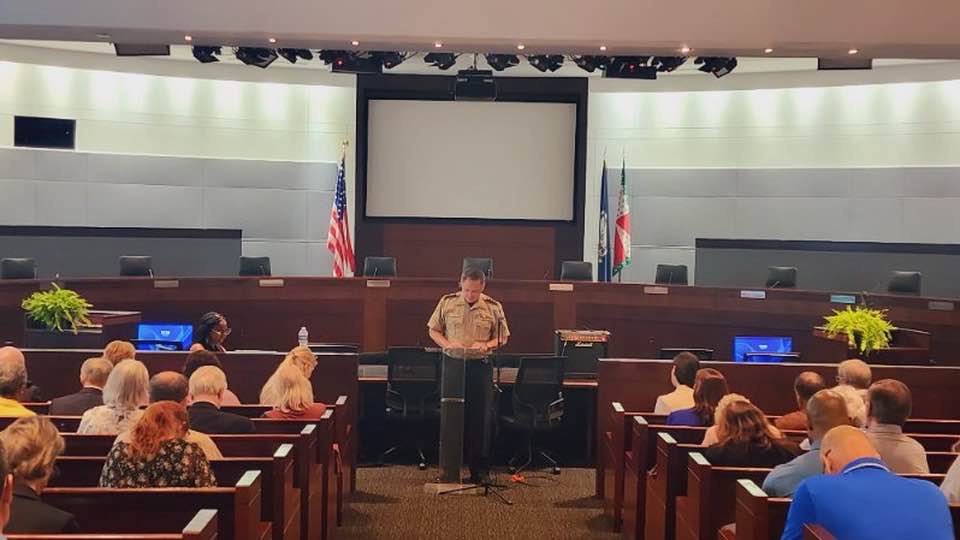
[
  {"x": 188, "y": 38},
  {"x": 685, "y": 49},
  {"x": 853, "y": 51},
  {"x": 438, "y": 45},
  {"x": 272, "y": 40},
  {"x": 603, "y": 48},
  {"x": 768, "y": 50},
  {"x": 521, "y": 47},
  {"x": 355, "y": 43}
]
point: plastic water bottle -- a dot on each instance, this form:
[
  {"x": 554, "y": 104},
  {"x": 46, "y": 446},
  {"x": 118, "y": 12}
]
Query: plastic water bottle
[{"x": 303, "y": 337}]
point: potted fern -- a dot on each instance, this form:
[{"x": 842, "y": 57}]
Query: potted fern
[
  {"x": 866, "y": 329},
  {"x": 57, "y": 317}
]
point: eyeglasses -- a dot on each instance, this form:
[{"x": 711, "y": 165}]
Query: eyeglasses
[{"x": 225, "y": 332}]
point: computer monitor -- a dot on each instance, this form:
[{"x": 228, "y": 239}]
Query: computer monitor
[
  {"x": 760, "y": 344},
  {"x": 164, "y": 336}
]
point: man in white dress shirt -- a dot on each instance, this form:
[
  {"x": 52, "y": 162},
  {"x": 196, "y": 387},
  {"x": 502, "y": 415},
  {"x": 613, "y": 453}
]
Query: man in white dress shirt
[{"x": 685, "y": 367}]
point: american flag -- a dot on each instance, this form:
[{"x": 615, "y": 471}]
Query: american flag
[{"x": 338, "y": 235}]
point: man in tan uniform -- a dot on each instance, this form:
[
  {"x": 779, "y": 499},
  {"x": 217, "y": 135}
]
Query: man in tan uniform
[{"x": 470, "y": 319}]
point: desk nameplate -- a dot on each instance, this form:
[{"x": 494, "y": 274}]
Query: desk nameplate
[
  {"x": 270, "y": 283},
  {"x": 166, "y": 284}
]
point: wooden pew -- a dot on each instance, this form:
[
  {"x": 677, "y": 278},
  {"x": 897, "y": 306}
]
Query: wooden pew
[
  {"x": 64, "y": 424},
  {"x": 203, "y": 526},
  {"x": 280, "y": 499},
  {"x": 665, "y": 482},
  {"x": 759, "y": 517},
  {"x": 318, "y": 516},
  {"x": 159, "y": 510},
  {"x": 702, "y": 510}
]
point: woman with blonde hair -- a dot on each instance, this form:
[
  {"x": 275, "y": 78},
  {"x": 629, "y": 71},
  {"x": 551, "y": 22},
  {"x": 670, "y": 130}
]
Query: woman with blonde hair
[
  {"x": 745, "y": 438},
  {"x": 117, "y": 351},
  {"x": 127, "y": 390},
  {"x": 290, "y": 395},
  {"x": 31, "y": 446},
  {"x": 300, "y": 357},
  {"x": 157, "y": 453}
]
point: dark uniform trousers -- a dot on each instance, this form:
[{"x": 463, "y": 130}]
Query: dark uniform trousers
[{"x": 479, "y": 415}]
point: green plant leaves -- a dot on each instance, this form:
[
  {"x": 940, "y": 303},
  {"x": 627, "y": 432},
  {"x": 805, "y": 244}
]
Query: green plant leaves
[
  {"x": 868, "y": 326},
  {"x": 57, "y": 309}
]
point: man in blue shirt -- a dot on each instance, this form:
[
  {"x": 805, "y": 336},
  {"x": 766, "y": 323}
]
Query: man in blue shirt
[
  {"x": 825, "y": 410},
  {"x": 860, "y": 498}
]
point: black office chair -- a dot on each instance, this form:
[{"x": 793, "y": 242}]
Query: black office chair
[
  {"x": 380, "y": 267},
  {"x": 11, "y": 268},
  {"x": 484, "y": 264},
  {"x": 671, "y": 274},
  {"x": 576, "y": 271},
  {"x": 781, "y": 277},
  {"x": 413, "y": 397},
  {"x": 254, "y": 266},
  {"x": 136, "y": 265},
  {"x": 904, "y": 283},
  {"x": 668, "y": 353},
  {"x": 537, "y": 407}
]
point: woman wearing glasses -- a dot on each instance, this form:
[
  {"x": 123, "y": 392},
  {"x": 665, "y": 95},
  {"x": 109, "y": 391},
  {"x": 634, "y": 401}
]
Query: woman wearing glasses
[{"x": 211, "y": 332}]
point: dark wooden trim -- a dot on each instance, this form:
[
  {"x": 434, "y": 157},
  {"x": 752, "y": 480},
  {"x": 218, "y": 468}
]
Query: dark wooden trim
[
  {"x": 118, "y": 232},
  {"x": 823, "y": 245}
]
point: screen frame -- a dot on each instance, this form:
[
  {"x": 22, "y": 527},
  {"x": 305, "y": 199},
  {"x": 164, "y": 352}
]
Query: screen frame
[
  {"x": 153, "y": 323},
  {"x": 569, "y": 234},
  {"x": 746, "y": 337}
]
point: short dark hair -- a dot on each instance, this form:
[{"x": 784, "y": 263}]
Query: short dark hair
[
  {"x": 474, "y": 273},
  {"x": 890, "y": 402},
  {"x": 685, "y": 368},
  {"x": 198, "y": 359},
  {"x": 807, "y": 384},
  {"x": 168, "y": 386}
]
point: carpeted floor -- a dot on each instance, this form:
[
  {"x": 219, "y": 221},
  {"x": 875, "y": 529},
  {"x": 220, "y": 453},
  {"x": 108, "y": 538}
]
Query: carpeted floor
[{"x": 391, "y": 504}]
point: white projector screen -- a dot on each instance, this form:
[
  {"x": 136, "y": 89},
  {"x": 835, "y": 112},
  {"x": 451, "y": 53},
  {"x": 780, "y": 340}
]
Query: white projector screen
[{"x": 457, "y": 159}]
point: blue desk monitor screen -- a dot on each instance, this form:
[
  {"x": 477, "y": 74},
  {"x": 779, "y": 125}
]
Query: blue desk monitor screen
[
  {"x": 760, "y": 344},
  {"x": 164, "y": 337}
]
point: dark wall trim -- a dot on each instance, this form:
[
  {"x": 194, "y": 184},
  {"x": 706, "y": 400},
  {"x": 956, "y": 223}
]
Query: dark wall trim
[
  {"x": 116, "y": 232},
  {"x": 569, "y": 234},
  {"x": 821, "y": 245}
]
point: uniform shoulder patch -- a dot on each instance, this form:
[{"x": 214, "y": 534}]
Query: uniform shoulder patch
[
  {"x": 448, "y": 296},
  {"x": 490, "y": 301}
]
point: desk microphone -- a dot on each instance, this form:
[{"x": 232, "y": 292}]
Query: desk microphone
[
  {"x": 150, "y": 272},
  {"x": 263, "y": 271},
  {"x": 774, "y": 284}
]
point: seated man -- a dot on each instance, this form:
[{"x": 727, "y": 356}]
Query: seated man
[
  {"x": 206, "y": 386},
  {"x": 172, "y": 386},
  {"x": 13, "y": 382},
  {"x": 855, "y": 373},
  {"x": 860, "y": 498},
  {"x": 805, "y": 385},
  {"x": 888, "y": 407},
  {"x": 826, "y": 410},
  {"x": 682, "y": 377},
  {"x": 93, "y": 375}
]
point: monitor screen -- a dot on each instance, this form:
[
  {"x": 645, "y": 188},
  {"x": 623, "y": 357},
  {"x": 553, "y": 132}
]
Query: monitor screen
[
  {"x": 760, "y": 344},
  {"x": 164, "y": 336}
]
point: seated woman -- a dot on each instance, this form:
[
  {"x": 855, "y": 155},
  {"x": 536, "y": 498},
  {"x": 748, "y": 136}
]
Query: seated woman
[
  {"x": 199, "y": 358},
  {"x": 117, "y": 351},
  {"x": 300, "y": 357},
  {"x": 31, "y": 445},
  {"x": 127, "y": 390},
  {"x": 747, "y": 439},
  {"x": 211, "y": 332},
  {"x": 157, "y": 454},
  {"x": 290, "y": 395},
  {"x": 708, "y": 388}
]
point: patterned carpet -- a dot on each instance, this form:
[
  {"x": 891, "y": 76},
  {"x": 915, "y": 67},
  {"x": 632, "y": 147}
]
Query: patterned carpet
[{"x": 391, "y": 504}]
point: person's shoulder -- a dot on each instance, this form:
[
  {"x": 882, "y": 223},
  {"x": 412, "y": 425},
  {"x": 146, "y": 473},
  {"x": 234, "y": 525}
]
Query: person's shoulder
[
  {"x": 449, "y": 297},
  {"x": 486, "y": 298}
]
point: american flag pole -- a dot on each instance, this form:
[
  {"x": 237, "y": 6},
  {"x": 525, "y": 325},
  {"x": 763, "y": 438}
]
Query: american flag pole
[{"x": 338, "y": 234}]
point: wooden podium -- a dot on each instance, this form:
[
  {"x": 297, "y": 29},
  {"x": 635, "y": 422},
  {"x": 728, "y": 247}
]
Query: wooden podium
[
  {"x": 908, "y": 347},
  {"x": 106, "y": 326}
]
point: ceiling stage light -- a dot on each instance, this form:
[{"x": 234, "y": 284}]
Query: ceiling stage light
[
  {"x": 256, "y": 56},
  {"x": 501, "y": 62},
  {"x": 666, "y": 64},
  {"x": 292, "y": 55},
  {"x": 717, "y": 65},
  {"x": 441, "y": 60},
  {"x": 630, "y": 67},
  {"x": 546, "y": 62},
  {"x": 389, "y": 59},
  {"x": 205, "y": 54},
  {"x": 591, "y": 63}
]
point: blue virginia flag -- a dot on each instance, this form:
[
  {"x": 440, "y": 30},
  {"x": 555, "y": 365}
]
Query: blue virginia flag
[{"x": 604, "y": 262}]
